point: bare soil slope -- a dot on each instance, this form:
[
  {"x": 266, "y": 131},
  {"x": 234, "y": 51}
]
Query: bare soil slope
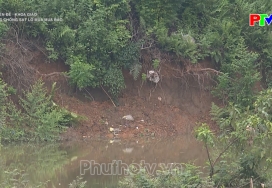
[{"x": 180, "y": 100}]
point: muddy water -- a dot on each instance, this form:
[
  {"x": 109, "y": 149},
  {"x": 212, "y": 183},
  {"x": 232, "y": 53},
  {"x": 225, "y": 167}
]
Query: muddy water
[{"x": 60, "y": 163}]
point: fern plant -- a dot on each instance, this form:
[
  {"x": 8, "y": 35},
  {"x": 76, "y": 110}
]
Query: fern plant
[
  {"x": 135, "y": 70},
  {"x": 40, "y": 114},
  {"x": 221, "y": 117},
  {"x": 39, "y": 119}
]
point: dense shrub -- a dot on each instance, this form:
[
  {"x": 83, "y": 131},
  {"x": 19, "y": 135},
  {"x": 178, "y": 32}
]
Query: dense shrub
[
  {"x": 37, "y": 117},
  {"x": 189, "y": 176}
]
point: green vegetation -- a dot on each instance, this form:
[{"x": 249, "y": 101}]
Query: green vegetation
[
  {"x": 78, "y": 183},
  {"x": 35, "y": 118},
  {"x": 31, "y": 165},
  {"x": 242, "y": 150},
  {"x": 100, "y": 38},
  {"x": 44, "y": 160},
  {"x": 190, "y": 176}
]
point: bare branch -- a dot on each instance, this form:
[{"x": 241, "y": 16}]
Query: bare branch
[{"x": 150, "y": 45}]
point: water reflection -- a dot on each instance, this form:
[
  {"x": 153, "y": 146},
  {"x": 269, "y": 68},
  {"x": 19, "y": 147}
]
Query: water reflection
[{"x": 61, "y": 163}]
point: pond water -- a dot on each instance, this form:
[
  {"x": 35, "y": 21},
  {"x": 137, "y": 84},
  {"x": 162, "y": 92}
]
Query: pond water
[{"x": 62, "y": 163}]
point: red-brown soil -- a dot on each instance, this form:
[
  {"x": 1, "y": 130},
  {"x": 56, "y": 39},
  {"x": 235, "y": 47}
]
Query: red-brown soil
[{"x": 177, "y": 103}]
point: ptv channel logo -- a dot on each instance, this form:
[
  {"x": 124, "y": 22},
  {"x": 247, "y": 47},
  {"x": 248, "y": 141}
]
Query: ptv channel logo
[{"x": 263, "y": 19}]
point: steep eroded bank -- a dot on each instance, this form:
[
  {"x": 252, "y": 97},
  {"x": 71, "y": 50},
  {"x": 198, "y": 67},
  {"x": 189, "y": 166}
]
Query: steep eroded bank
[{"x": 175, "y": 105}]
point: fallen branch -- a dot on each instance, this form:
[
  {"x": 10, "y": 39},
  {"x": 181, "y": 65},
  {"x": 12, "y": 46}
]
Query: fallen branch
[
  {"x": 108, "y": 96},
  {"x": 89, "y": 93},
  {"x": 209, "y": 69},
  {"x": 53, "y": 73},
  {"x": 150, "y": 45},
  {"x": 218, "y": 157}
]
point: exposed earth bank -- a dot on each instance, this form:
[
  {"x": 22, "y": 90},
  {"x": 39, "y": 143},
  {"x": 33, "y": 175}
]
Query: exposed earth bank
[{"x": 180, "y": 101}]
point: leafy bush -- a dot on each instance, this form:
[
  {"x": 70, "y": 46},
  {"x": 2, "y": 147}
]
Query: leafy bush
[
  {"x": 38, "y": 119},
  {"x": 157, "y": 11},
  {"x": 18, "y": 179},
  {"x": 114, "y": 80},
  {"x": 182, "y": 45},
  {"x": 241, "y": 150},
  {"x": 189, "y": 176},
  {"x": 241, "y": 74},
  {"x": 78, "y": 183},
  {"x": 82, "y": 74}
]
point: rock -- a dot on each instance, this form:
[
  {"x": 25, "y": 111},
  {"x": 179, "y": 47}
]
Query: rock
[
  {"x": 74, "y": 158},
  {"x": 128, "y": 117},
  {"x": 128, "y": 150},
  {"x": 153, "y": 76},
  {"x": 115, "y": 141},
  {"x": 115, "y": 130}
]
